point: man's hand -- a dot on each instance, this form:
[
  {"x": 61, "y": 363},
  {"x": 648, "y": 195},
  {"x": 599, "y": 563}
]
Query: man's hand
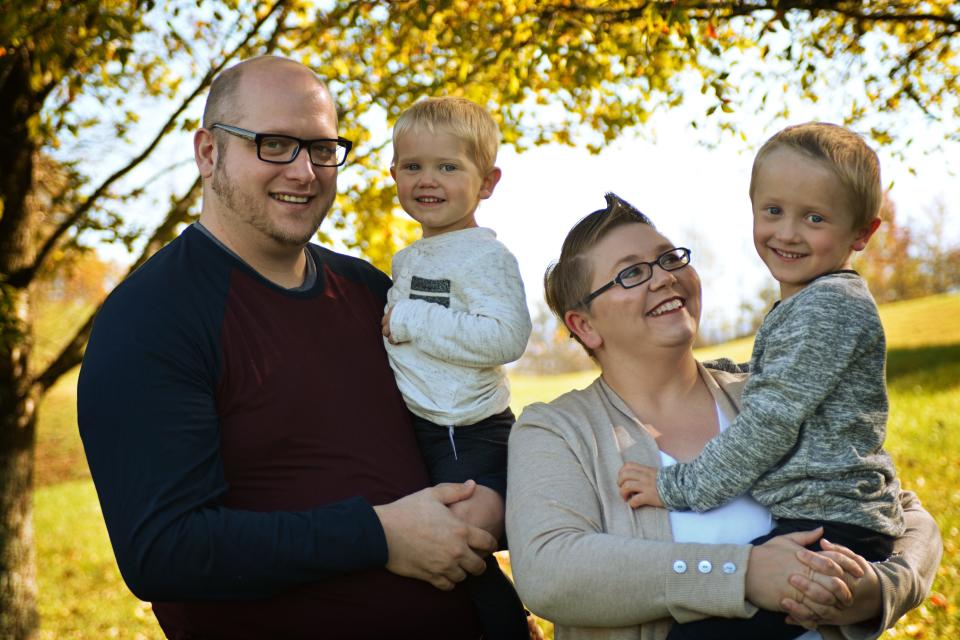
[
  {"x": 484, "y": 509},
  {"x": 638, "y": 485},
  {"x": 426, "y": 541}
]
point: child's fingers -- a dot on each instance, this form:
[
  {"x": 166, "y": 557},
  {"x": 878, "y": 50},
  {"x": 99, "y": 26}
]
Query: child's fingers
[
  {"x": 643, "y": 500},
  {"x": 632, "y": 470},
  {"x": 638, "y": 494},
  {"x": 625, "y": 472},
  {"x": 631, "y": 488}
]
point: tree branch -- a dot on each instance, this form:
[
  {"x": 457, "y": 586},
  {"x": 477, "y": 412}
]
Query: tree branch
[
  {"x": 72, "y": 354},
  {"x": 732, "y": 9},
  {"x": 26, "y": 275}
]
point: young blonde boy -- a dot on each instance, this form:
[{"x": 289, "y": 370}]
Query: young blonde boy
[
  {"x": 808, "y": 443},
  {"x": 455, "y": 314}
]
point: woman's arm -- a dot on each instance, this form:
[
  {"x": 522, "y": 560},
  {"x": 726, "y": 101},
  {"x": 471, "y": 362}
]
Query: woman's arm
[{"x": 569, "y": 570}]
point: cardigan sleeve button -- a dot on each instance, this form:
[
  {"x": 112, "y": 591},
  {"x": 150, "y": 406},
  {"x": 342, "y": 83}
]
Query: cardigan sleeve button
[
  {"x": 729, "y": 567},
  {"x": 680, "y": 566},
  {"x": 704, "y": 566}
]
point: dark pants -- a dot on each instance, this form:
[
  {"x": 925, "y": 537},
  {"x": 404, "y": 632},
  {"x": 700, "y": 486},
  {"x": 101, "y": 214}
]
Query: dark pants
[
  {"x": 771, "y": 625},
  {"x": 478, "y": 452}
]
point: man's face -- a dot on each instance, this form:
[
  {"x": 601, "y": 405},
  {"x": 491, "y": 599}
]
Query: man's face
[{"x": 272, "y": 206}]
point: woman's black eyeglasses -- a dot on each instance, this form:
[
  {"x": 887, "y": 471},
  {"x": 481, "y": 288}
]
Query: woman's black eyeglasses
[{"x": 637, "y": 274}]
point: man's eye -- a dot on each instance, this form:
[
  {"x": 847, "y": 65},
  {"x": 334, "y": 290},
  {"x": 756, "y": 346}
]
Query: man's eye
[
  {"x": 274, "y": 144},
  {"x": 324, "y": 151}
]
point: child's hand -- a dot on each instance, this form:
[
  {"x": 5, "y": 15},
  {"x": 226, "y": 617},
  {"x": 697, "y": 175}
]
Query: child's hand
[
  {"x": 385, "y": 326},
  {"x": 483, "y": 509},
  {"x": 638, "y": 485}
]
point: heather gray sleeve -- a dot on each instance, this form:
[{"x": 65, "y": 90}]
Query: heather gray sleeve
[{"x": 803, "y": 350}]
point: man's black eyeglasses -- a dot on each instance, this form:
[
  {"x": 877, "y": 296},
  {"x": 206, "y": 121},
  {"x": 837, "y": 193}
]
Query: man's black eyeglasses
[
  {"x": 280, "y": 149},
  {"x": 637, "y": 274}
]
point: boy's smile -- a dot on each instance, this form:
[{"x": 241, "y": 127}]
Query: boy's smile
[
  {"x": 438, "y": 183},
  {"x": 802, "y": 220}
]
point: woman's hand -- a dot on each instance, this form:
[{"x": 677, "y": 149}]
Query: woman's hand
[
  {"x": 774, "y": 562},
  {"x": 816, "y": 603},
  {"x": 638, "y": 485}
]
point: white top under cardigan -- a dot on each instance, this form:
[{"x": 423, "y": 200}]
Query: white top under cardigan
[
  {"x": 459, "y": 313},
  {"x": 737, "y": 522}
]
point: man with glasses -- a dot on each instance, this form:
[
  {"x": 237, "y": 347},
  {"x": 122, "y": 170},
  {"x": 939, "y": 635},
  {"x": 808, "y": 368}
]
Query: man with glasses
[{"x": 255, "y": 464}]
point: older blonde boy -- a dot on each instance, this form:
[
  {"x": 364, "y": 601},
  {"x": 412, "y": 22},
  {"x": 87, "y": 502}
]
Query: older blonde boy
[
  {"x": 808, "y": 443},
  {"x": 456, "y": 313}
]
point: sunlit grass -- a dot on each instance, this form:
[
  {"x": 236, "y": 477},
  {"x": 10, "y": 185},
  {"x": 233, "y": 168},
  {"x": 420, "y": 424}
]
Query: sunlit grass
[{"x": 81, "y": 592}]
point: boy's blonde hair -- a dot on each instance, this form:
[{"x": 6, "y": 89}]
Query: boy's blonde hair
[
  {"x": 844, "y": 152},
  {"x": 567, "y": 281},
  {"x": 466, "y": 120}
]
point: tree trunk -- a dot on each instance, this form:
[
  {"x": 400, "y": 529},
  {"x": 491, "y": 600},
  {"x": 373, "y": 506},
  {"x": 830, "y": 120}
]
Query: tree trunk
[
  {"x": 18, "y": 394},
  {"x": 18, "y": 404}
]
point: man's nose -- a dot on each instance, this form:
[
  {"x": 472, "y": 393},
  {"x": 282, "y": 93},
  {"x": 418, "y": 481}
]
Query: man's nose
[{"x": 301, "y": 169}]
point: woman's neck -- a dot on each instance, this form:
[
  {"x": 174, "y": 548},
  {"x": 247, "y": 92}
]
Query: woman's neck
[
  {"x": 665, "y": 392},
  {"x": 660, "y": 378}
]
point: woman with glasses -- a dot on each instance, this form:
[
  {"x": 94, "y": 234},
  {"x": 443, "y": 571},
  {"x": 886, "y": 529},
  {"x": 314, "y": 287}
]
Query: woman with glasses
[{"x": 581, "y": 556}]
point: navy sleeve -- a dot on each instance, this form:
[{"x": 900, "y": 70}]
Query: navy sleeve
[{"x": 147, "y": 416}]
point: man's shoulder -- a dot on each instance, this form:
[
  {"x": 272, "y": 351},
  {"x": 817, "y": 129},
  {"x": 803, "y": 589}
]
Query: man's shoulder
[{"x": 189, "y": 268}]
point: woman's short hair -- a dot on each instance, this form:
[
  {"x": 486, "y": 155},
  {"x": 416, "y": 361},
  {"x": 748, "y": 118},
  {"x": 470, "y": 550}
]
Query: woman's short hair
[
  {"x": 464, "y": 119},
  {"x": 567, "y": 281},
  {"x": 843, "y": 152}
]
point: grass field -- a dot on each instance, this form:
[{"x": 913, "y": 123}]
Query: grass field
[{"x": 83, "y": 596}]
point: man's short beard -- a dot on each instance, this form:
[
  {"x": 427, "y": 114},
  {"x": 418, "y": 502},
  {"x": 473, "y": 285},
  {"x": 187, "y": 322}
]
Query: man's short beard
[{"x": 253, "y": 213}]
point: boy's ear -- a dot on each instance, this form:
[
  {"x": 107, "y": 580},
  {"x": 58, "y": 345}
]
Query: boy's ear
[
  {"x": 864, "y": 235},
  {"x": 578, "y": 322},
  {"x": 205, "y": 152},
  {"x": 489, "y": 183},
  {"x": 393, "y": 172}
]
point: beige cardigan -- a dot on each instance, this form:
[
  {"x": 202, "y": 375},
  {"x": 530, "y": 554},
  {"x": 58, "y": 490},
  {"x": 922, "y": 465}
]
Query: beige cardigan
[{"x": 595, "y": 567}]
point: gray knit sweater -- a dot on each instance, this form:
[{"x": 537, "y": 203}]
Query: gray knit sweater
[{"x": 808, "y": 442}]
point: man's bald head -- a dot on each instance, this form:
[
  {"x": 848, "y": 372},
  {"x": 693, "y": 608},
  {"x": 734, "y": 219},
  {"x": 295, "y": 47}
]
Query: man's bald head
[{"x": 224, "y": 102}]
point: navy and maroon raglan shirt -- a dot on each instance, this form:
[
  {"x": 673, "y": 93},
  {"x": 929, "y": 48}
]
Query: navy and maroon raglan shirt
[{"x": 238, "y": 434}]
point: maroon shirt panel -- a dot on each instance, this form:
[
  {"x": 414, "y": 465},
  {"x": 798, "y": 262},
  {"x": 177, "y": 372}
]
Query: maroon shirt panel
[{"x": 310, "y": 414}]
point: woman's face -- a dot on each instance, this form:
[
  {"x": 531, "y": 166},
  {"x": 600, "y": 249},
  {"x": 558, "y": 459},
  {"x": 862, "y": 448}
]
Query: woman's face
[{"x": 664, "y": 311}]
